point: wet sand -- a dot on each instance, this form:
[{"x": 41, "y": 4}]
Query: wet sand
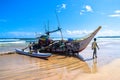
[
  {"x": 57, "y": 67},
  {"x": 108, "y": 72},
  {"x": 21, "y": 67},
  {"x": 106, "y": 66}
]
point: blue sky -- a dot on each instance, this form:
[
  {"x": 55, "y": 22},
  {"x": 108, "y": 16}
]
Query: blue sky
[{"x": 25, "y": 18}]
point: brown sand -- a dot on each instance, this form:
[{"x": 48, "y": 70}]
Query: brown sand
[
  {"x": 107, "y": 72},
  {"x": 21, "y": 67}
]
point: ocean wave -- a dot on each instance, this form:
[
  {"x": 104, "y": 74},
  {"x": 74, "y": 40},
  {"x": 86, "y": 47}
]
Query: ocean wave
[
  {"x": 8, "y": 40},
  {"x": 11, "y": 43}
]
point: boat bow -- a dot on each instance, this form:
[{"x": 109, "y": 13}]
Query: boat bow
[{"x": 83, "y": 42}]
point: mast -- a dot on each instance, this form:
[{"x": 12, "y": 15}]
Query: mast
[{"x": 59, "y": 26}]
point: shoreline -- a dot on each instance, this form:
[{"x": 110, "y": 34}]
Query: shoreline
[
  {"x": 71, "y": 70},
  {"x": 61, "y": 67},
  {"x": 107, "y": 72},
  {"x": 6, "y": 53}
]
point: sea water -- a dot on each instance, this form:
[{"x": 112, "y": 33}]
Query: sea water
[{"x": 9, "y": 44}]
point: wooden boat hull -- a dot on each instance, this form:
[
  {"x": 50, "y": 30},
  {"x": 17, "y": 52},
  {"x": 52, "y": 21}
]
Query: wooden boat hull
[
  {"x": 86, "y": 40},
  {"x": 77, "y": 45},
  {"x": 33, "y": 54}
]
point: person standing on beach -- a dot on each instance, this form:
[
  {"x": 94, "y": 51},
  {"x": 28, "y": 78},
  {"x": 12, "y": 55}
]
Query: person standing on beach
[
  {"x": 29, "y": 46},
  {"x": 94, "y": 46}
]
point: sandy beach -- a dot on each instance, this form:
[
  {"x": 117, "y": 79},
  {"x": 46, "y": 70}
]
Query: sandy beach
[
  {"x": 108, "y": 72},
  {"x": 20, "y": 67},
  {"x": 106, "y": 66},
  {"x": 57, "y": 67}
]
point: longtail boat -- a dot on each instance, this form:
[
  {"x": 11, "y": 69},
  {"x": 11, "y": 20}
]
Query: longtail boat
[
  {"x": 67, "y": 46},
  {"x": 45, "y": 45}
]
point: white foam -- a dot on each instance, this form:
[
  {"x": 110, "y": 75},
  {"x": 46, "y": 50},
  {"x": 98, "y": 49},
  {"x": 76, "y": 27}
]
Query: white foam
[{"x": 15, "y": 42}]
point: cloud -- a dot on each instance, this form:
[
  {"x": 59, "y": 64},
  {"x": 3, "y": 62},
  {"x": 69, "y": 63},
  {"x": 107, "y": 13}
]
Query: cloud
[
  {"x": 115, "y": 14},
  {"x": 61, "y": 7},
  {"x": 3, "y": 20},
  {"x": 86, "y": 8},
  {"x": 117, "y": 11},
  {"x": 109, "y": 33},
  {"x": 82, "y": 11},
  {"x": 79, "y": 33}
]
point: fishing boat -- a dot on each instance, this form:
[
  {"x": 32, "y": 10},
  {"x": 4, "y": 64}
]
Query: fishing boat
[
  {"x": 65, "y": 46},
  {"x": 33, "y": 54},
  {"x": 45, "y": 46}
]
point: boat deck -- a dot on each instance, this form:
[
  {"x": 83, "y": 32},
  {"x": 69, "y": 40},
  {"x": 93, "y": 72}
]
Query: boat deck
[{"x": 57, "y": 67}]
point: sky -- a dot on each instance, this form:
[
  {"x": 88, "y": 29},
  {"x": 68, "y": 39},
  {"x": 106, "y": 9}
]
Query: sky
[{"x": 28, "y": 18}]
